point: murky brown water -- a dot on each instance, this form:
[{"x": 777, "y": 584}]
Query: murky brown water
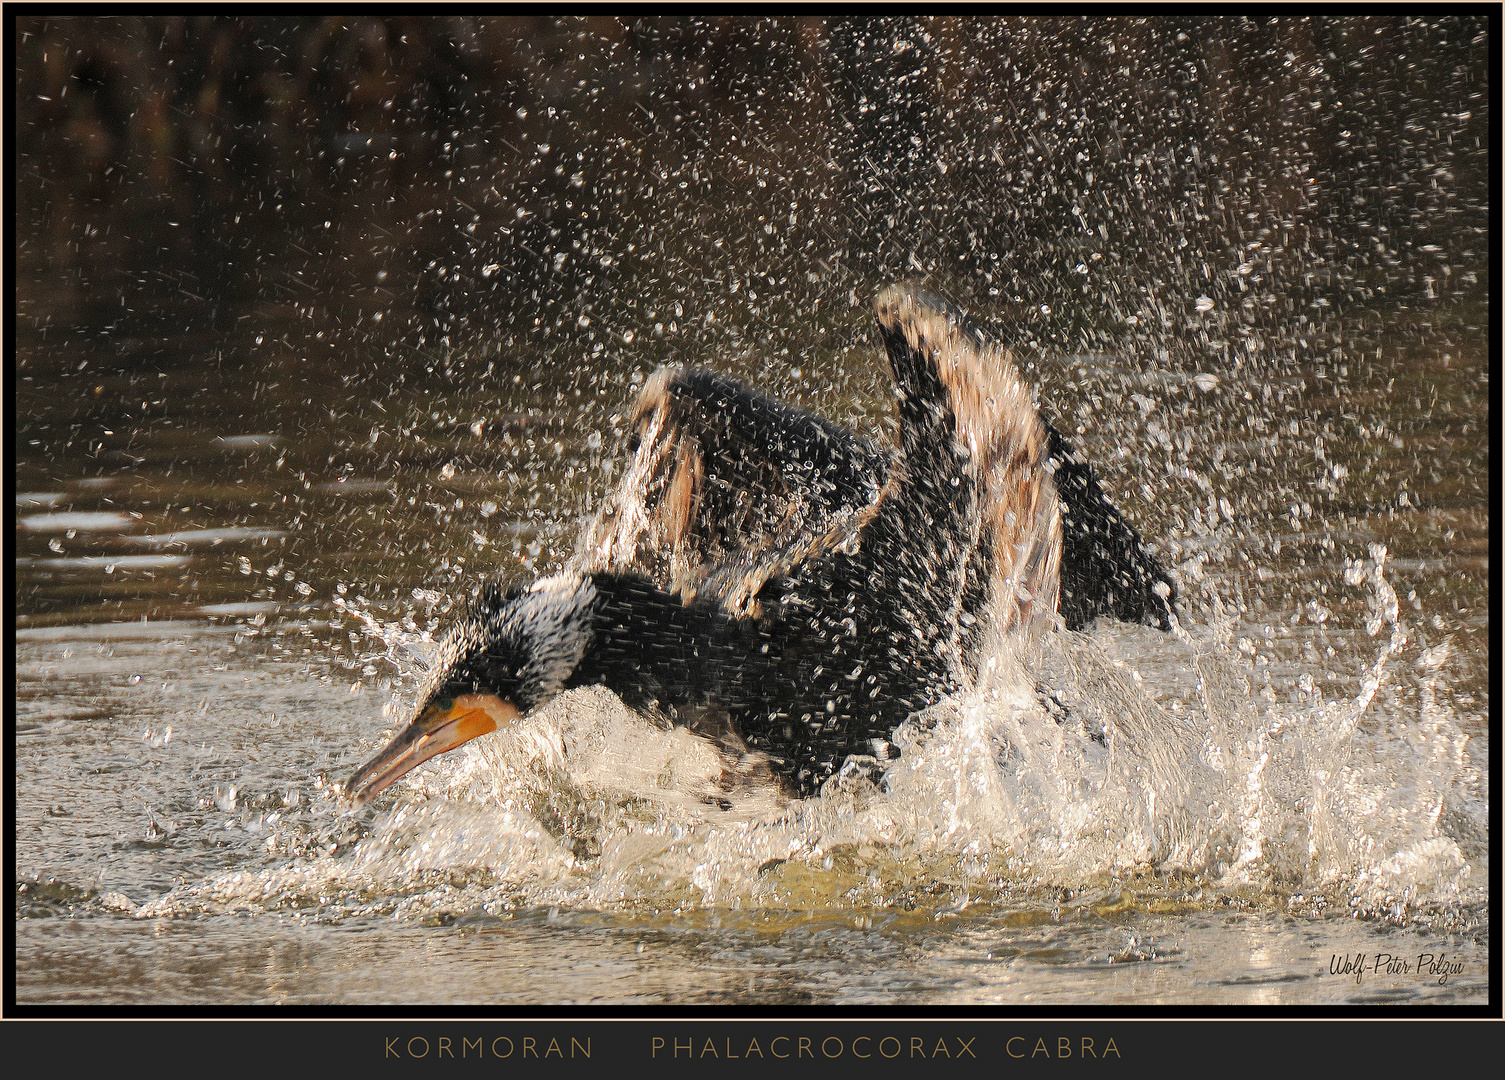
[
  {"x": 178, "y": 639},
  {"x": 238, "y": 504}
]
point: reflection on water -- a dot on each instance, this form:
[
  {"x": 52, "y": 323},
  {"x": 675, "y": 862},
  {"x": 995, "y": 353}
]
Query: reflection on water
[
  {"x": 1040, "y": 957},
  {"x": 278, "y": 412}
]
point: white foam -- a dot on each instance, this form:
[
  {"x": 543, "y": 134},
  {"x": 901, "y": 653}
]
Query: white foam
[{"x": 589, "y": 805}]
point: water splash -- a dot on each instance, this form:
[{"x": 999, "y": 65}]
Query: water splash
[{"x": 1059, "y": 769}]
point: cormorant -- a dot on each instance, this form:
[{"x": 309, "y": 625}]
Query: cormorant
[{"x": 779, "y": 583}]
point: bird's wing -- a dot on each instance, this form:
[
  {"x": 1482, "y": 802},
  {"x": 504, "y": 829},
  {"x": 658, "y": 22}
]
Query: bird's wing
[
  {"x": 1105, "y": 568},
  {"x": 975, "y": 456},
  {"x": 726, "y": 487}
]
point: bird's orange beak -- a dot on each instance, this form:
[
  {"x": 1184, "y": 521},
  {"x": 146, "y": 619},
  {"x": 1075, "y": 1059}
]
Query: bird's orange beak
[{"x": 439, "y": 728}]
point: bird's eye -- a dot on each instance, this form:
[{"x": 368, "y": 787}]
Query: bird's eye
[{"x": 445, "y": 704}]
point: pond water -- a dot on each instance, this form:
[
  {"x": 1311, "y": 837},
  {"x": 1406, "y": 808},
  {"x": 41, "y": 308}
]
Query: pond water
[
  {"x": 241, "y": 517},
  {"x": 198, "y": 662}
]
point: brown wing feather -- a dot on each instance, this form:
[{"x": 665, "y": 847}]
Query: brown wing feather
[
  {"x": 965, "y": 412},
  {"x": 726, "y": 487}
]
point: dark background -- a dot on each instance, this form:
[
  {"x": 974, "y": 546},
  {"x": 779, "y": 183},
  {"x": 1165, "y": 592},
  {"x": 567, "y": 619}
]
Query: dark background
[
  {"x": 483, "y": 181},
  {"x": 417, "y": 266}
]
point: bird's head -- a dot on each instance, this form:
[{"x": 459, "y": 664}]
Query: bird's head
[{"x": 510, "y": 652}]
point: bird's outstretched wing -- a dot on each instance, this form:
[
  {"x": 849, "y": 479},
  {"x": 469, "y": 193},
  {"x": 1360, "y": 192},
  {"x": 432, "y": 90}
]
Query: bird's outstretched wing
[
  {"x": 956, "y": 380},
  {"x": 1105, "y": 568},
  {"x": 974, "y": 459},
  {"x": 725, "y": 487}
]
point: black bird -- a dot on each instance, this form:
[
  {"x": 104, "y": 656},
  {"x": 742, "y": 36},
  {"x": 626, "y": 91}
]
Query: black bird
[{"x": 772, "y": 580}]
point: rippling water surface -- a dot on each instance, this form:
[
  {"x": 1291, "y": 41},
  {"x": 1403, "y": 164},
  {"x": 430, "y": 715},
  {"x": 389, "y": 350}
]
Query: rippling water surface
[
  {"x": 199, "y": 659},
  {"x": 245, "y": 506}
]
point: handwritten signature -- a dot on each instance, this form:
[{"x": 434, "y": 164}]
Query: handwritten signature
[{"x": 1425, "y": 965}]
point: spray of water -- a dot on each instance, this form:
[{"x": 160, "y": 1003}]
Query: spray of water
[{"x": 1057, "y": 769}]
